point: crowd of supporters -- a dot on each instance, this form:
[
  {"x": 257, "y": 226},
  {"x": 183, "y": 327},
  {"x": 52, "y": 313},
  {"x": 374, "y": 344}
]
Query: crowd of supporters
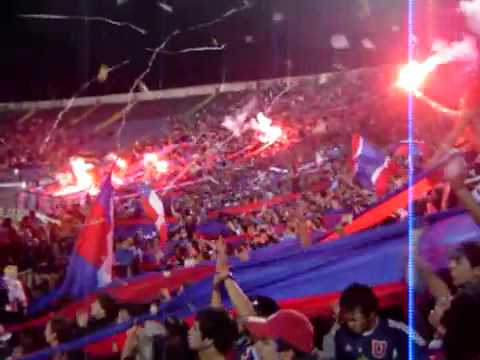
[{"x": 318, "y": 119}]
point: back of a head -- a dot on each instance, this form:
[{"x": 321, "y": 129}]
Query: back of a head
[
  {"x": 109, "y": 305},
  {"x": 217, "y": 325},
  {"x": 62, "y": 328},
  {"x": 470, "y": 250},
  {"x": 264, "y": 306},
  {"x": 359, "y": 296},
  {"x": 132, "y": 309},
  {"x": 176, "y": 327},
  {"x": 461, "y": 341},
  {"x": 31, "y": 340},
  {"x": 177, "y": 340}
]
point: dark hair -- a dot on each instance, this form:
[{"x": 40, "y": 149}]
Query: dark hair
[
  {"x": 134, "y": 309},
  {"x": 7, "y": 223},
  {"x": 216, "y": 324},
  {"x": 176, "y": 326},
  {"x": 31, "y": 340},
  {"x": 359, "y": 296},
  {"x": 175, "y": 344},
  {"x": 62, "y": 328},
  {"x": 461, "y": 322},
  {"x": 283, "y": 346},
  {"x": 109, "y": 305},
  {"x": 470, "y": 250},
  {"x": 264, "y": 306}
]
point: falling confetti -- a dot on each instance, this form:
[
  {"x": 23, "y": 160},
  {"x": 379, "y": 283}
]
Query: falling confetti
[
  {"x": 83, "y": 18},
  {"x": 189, "y": 50},
  {"x": 249, "y": 39},
  {"x": 85, "y": 115},
  {"x": 27, "y": 116},
  {"x": 339, "y": 42},
  {"x": 165, "y": 6},
  {"x": 143, "y": 87},
  {"x": 64, "y": 111},
  {"x": 279, "y": 96},
  {"x": 368, "y": 44},
  {"x": 72, "y": 101},
  {"x": 161, "y": 48},
  {"x": 278, "y": 17},
  {"x": 221, "y": 18},
  {"x": 102, "y": 75}
]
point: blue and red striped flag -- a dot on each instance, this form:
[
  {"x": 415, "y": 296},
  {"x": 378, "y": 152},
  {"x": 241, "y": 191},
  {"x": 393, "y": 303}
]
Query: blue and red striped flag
[
  {"x": 90, "y": 264},
  {"x": 372, "y": 167},
  {"x": 154, "y": 209}
]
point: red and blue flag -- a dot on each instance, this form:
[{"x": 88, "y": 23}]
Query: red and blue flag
[
  {"x": 90, "y": 264},
  {"x": 155, "y": 211},
  {"x": 372, "y": 167}
]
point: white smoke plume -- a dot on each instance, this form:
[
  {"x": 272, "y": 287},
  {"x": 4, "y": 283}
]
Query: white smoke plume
[
  {"x": 464, "y": 50},
  {"x": 237, "y": 123},
  {"x": 471, "y": 10}
]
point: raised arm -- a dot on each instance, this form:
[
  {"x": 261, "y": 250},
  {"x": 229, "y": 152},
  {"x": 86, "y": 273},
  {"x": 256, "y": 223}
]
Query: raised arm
[
  {"x": 436, "y": 286},
  {"x": 302, "y": 227},
  {"x": 239, "y": 300},
  {"x": 222, "y": 262},
  {"x": 456, "y": 172}
]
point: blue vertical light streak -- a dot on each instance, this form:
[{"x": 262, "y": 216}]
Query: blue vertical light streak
[{"x": 411, "y": 209}]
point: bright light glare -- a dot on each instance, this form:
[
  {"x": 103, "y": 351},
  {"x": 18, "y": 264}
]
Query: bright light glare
[
  {"x": 413, "y": 75},
  {"x": 268, "y": 133},
  {"x": 81, "y": 180}
]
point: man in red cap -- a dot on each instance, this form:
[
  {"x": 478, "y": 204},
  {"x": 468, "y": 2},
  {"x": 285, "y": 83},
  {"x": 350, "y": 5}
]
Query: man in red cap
[{"x": 286, "y": 335}]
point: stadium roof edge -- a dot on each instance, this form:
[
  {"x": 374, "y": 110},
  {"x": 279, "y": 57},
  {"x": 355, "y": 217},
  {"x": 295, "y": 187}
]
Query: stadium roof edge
[{"x": 157, "y": 95}]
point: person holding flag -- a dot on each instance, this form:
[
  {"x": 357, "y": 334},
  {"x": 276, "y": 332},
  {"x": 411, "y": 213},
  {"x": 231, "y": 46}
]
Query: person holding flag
[
  {"x": 154, "y": 209},
  {"x": 90, "y": 264}
]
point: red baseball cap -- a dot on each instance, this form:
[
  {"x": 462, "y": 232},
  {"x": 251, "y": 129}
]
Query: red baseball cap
[{"x": 291, "y": 326}]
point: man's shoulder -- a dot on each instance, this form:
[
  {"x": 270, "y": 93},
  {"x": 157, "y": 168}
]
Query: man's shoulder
[
  {"x": 401, "y": 330},
  {"x": 342, "y": 334}
]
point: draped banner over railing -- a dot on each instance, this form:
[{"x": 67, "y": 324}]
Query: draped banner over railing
[{"x": 376, "y": 257}]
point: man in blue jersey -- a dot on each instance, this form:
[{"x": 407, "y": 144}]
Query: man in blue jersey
[{"x": 364, "y": 336}]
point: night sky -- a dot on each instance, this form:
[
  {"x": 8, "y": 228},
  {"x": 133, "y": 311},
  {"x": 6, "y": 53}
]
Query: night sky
[{"x": 48, "y": 59}]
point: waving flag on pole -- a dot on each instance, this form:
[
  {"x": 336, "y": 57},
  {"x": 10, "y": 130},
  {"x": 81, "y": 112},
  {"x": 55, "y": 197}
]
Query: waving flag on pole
[
  {"x": 153, "y": 207},
  {"x": 90, "y": 264},
  {"x": 372, "y": 167}
]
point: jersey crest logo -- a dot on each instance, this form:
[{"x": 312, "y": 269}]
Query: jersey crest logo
[{"x": 379, "y": 349}]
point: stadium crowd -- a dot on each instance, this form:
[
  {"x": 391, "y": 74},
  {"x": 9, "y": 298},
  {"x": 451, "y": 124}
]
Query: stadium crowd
[{"x": 318, "y": 119}]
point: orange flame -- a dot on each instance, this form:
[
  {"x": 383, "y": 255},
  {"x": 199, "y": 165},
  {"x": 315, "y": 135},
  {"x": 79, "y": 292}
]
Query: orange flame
[
  {"x": 413, "y": 75},
  {"x": 118, "y": 181},
  {"x": 151, "y": 159},
  {"x": 121, "y": 163},
  {"x": 81, "y": 174},
  {"x": 161, "y": 166},
  {"x": 268, "y": 133}
]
